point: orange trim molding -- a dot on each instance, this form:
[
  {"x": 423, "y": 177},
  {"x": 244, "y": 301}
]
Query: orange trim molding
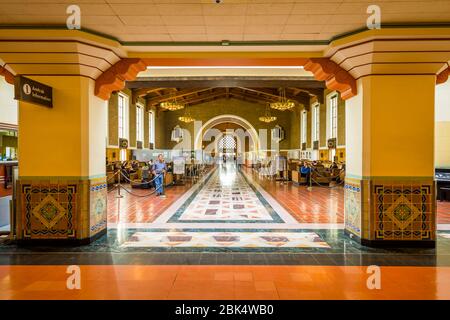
[
  {"x": 323, "y": 69},
  {"x": 114, "y": 78},
  {"x": 334, "y": 76},
  {"x": 443, "y": 76},
  {"x": 9, "y": 77}
]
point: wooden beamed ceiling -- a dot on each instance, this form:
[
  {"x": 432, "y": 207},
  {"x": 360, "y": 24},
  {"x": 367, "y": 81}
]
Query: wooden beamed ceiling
[{"x": 193, "y": 96}]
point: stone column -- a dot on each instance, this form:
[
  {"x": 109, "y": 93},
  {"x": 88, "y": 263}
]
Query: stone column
[
  {"x": 61, "y": 192},
  {"x": 390, "y": 193},
  {"x": 389, "y": 188}
]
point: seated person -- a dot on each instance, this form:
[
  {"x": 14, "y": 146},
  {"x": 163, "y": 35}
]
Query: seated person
[
  {"x": 305, "y": 171},
  {"x": 146, "y": 175},
  {"x": 134, "y": 166}
]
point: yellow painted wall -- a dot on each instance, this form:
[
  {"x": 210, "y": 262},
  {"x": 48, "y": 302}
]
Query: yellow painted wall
[
  {"x": 113, "y": 154},
  {"x": 295, "y": 128},
  {"x": 162, "y": 130},
  {"x": 341, "y": 154},
  {"x": 398, "y": 125},
  {"x": 323, "y": 154},
  {"x": 55, "y": 142}
]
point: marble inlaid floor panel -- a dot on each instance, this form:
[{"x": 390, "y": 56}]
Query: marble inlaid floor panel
[
  {"x": 227, "y": 197},
  {"x": 228, "y": 209},
  {"x": 226, "y": 239}
]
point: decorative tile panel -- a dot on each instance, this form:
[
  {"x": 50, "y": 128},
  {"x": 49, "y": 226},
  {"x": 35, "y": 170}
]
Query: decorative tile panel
[
  {"x": 403, "y": 211},
  {"x": 98, "y": 206},
  {"x": 61, "y": 208},
  {"x": 353, "y": 206},
  {"x": 49, "y": 210}
]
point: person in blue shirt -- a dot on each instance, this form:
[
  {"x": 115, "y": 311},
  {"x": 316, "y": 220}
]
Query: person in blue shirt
[
  {"x": 159, "y": 168},
  {"x": 305, "y": 171}
]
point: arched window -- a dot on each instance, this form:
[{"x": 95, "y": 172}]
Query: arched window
[
  {"x": 316, "y": 122},
  {"x": 139, "y": 123},
  {"x": 227, "y": 142},
  {"x": 304, "y": 126},
  {"x": 123, "y": 116},
  {"x": 151, "y": 127},
  {"x": 333, "y": 116}
]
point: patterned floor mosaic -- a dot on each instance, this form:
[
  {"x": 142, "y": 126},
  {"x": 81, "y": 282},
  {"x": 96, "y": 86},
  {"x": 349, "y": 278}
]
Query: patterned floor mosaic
[
  {"x": 227, "y": 239},
  {"x": 227, "y": 197},
  {"x": 220, "y": 213}
]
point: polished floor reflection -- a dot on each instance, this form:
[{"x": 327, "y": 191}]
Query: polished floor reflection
[
  {"x": 322, "y": 205},
  {"x": 228, "y": 209},
  {"x": 234, "y": 210},
  {"x": 272, "y": 224},
  {"x": 224, "y": 282}
]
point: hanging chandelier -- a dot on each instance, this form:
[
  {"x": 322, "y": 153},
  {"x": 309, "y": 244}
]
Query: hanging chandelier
[
  {"x": 186, "y": 117},
  {"x": 267, "y": 116},
  {"x": 171, "y": 105},
  {"x": 284, "y": 103}
]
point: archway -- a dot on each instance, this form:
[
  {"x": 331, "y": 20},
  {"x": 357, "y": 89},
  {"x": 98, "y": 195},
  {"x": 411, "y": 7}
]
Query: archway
[{"x": 250, "y": 131}]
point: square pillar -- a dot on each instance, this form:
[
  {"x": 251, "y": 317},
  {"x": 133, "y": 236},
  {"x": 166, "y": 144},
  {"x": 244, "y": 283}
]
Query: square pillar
[
  {"x": 390, "y": 189},
  {"x": 62, "y": 192}
]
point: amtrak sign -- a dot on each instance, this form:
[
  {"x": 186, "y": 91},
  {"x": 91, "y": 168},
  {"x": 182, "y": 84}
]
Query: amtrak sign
[{"x": 31, "y": 91}]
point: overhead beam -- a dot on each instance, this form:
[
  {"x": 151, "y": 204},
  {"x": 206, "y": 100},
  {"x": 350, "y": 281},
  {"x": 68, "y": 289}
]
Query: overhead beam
[
  {"x": 274, "y": 97},
  {"x": 249, "y": 82},
  {"x": 137, "y": 93},
  {"x": 201, "y": 98},
  {"x": 177, "y": 95}
]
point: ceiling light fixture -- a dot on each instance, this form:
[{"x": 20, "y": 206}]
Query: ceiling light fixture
[
  {"x": 186, "y": 117},
  {"x": 171, "y": 105},
  {"x": 267, "y": 117},
  {"x": 283, "y": 104}
]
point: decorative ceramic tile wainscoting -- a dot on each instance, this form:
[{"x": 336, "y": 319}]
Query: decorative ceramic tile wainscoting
[
  {"x": 61, "y": 208},
  {"x": 394, "y": 209}
]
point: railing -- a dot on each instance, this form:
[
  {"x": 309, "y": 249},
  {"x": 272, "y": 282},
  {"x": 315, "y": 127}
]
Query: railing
[{"x": 196, "y": 172}]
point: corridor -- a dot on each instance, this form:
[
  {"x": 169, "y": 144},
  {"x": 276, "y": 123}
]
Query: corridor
[{"x": 227, "y": 209}]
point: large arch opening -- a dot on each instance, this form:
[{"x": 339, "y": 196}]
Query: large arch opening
[{"x": 209, "y": 135}]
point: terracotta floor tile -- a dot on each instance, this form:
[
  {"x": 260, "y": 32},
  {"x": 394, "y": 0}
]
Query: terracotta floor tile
[
  {"x": 304, "y": 282},
  {"x": 321, "y": 205}
]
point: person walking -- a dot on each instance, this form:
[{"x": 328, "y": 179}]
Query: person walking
[{"x": 159, "y": 169}]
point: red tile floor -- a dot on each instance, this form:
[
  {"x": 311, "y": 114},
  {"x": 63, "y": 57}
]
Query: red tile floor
[
  {"x": 321, "y": 205},
  {"x": 140, "y": 209},
  {"x": 5, "y": 192},
  {"x": 443, "y": 212}
]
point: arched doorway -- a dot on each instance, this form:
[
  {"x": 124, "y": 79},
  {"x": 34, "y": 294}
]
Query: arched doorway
[
  {"x": 242, "y": 131},
  {"x": 227, "y": 147}
]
